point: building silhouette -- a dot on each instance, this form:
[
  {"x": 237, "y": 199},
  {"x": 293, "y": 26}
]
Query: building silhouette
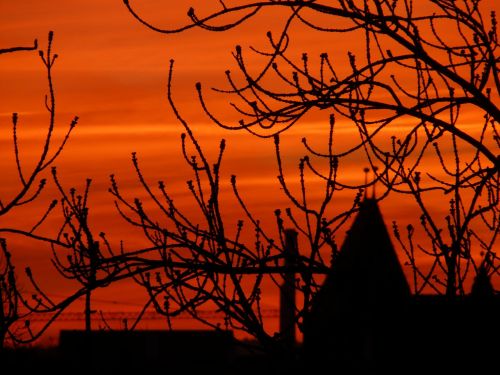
[
  {"x": 364, "y": 319},
  {"x": 115, "y": 351}
]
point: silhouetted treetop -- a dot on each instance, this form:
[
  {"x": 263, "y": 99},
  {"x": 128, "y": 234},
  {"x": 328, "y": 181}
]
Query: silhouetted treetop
[
  {"x": 422, "y": 72},
  {"x": 422, "y": 62}
]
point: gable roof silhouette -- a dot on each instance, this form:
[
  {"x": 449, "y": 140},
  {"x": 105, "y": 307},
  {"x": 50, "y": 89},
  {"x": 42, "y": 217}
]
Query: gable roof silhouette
[
  {"x": 482, "y": 286},
  {"x": 364, "y": 319},
  {"x": 367, "y": 269},
  {"x": 356, "y": 317}
]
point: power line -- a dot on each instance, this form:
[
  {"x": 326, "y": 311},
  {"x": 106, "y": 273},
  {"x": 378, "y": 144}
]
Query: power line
[{"x": 148, "y": 316}]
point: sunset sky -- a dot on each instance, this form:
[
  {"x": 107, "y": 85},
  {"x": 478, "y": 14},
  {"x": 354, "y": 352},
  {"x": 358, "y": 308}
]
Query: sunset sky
[{"x": 112, "y": 73}]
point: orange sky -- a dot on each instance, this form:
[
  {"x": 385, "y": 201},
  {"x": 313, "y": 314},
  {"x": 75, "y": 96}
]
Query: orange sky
[{"x": 112, "y": 74}]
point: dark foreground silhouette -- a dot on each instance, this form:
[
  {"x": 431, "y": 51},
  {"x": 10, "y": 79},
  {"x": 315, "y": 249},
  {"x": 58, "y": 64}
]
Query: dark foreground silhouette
[
  {"x": 366, "y": 321},
  {"x": 167, "y": 352},
  {"x": 363, "y": 321}
]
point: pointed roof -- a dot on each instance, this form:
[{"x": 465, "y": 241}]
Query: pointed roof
[
  {"x": 363, "y": 299},
  {"x": 367, "y": 257},
  {"x": 367, "y": 270},
  {"x": 482, "y": 286}
]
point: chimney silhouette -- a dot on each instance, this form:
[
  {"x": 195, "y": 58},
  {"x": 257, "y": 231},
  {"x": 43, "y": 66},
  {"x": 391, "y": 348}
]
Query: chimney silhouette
[{"x": 287, "y": 290}]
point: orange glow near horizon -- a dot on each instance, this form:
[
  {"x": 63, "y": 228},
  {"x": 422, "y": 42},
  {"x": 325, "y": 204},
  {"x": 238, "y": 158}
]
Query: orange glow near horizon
[{"x": 112, "y": 73}]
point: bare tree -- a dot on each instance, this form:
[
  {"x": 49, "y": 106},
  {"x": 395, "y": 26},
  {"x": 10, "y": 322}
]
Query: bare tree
[
  {"x": 471, "y": 226},
  {"x": 9, "y": 313},
  {"x": 9, "y": 297},
  {"x": 79, "y": 254},
  {"x": 425, "y": 68},
  {"x": 83, "y": 255},
  {"x": 31, "y": 183},
  {"x": 48, "y": 153},
  {"x": 410, "y": 82},
  {"x": 200, "y": 260}
]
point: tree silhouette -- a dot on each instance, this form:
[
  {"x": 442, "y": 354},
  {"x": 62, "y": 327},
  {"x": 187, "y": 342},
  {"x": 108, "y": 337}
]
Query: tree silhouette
[
  {"x": 425, "y": 68},
  {"x": 203, "y": 261},
  {"x": 15, "y": 307},
  {"x": 9, "y": 299},
  {"x": 471, "y": 224},
  {"x": 84, "y": 258},
  {"x": 48, "y": 152},
  {"x": 409, "y": 97},
  {"x": 9, "y": 313}
]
